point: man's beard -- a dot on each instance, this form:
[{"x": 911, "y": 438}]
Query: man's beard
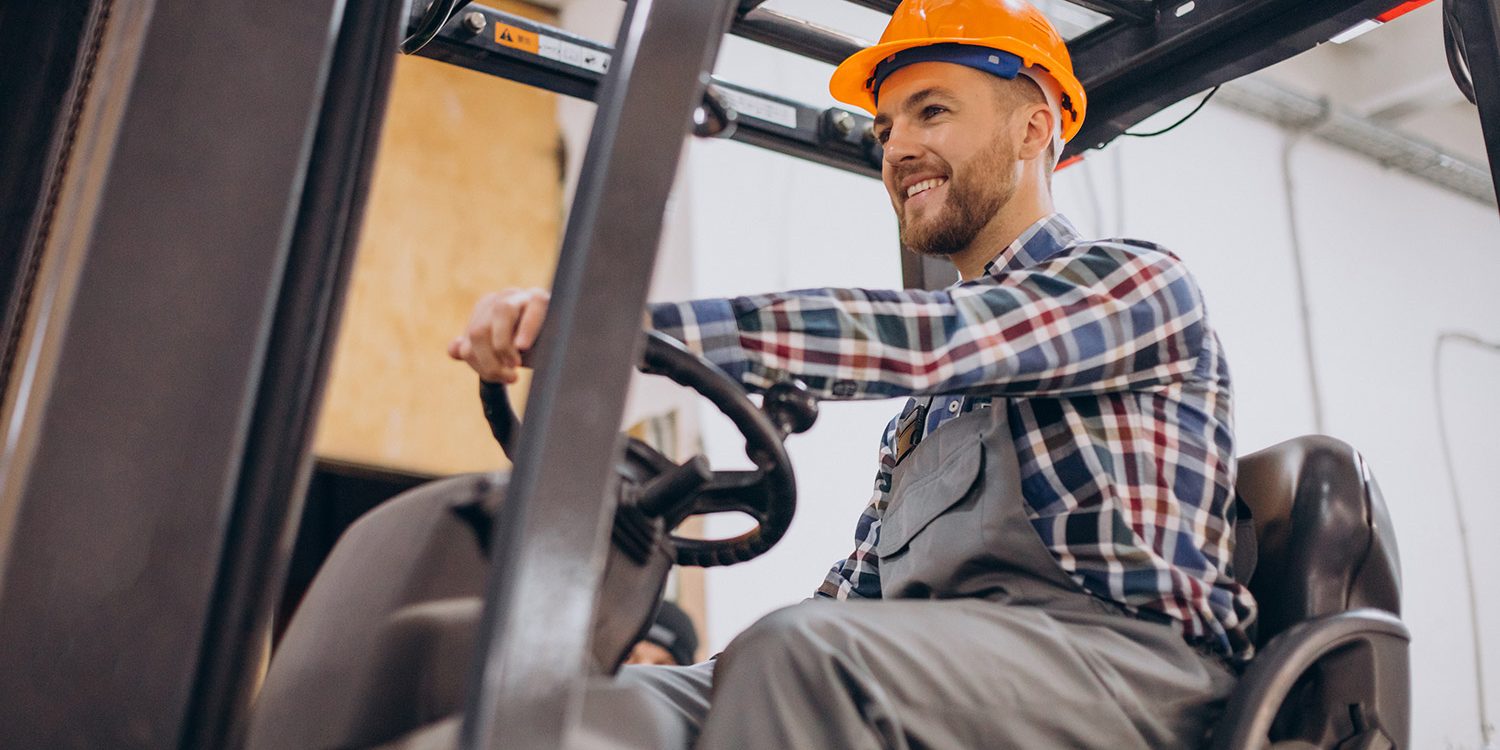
[{"x": 971, "y": 204}]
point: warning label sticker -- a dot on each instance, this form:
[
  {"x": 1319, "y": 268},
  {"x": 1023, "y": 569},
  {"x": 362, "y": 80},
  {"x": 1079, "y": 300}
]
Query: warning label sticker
[
  {"x": 784, "y": 115},
  {"x": 576, "y": 55},
  {"x": 521, "y": 39},
  {"x": 552, "y": 48}
]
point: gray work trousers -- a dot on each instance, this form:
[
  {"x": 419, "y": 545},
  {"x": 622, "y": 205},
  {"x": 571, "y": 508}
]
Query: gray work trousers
[
  {"x": 982, "y": 641},
  {"x": 962, "y": 673}
]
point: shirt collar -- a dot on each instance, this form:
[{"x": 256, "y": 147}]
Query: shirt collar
[{"x": 1042, "y": 240}]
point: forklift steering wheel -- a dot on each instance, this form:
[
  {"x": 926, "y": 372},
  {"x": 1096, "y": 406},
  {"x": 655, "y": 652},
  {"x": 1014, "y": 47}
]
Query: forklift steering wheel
[{"x": 658, "y": 494}]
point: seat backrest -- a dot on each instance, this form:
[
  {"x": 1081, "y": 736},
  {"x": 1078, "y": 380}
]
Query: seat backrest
[{"x": 1324, "y": 542}]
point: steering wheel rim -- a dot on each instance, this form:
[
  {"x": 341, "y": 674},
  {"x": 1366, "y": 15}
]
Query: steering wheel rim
[{"x": 767, "y": 494}]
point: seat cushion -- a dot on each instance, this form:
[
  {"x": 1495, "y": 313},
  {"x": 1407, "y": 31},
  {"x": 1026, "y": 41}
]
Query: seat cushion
[{"x": 1322, "y": 536}]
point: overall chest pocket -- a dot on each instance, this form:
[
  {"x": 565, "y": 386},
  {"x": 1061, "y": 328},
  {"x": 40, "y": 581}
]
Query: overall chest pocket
[{"x": 933, "y": 523}]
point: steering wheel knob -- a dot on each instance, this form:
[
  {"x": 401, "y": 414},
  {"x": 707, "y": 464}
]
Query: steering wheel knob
[{"x": 790, "y": 406}]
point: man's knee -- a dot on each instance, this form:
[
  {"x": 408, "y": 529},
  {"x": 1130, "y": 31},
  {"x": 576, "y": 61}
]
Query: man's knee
[{"x": 798, "y": 638}]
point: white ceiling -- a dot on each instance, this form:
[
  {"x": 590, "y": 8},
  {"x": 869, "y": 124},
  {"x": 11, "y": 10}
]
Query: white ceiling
[{"x": 1397, "y": 75}]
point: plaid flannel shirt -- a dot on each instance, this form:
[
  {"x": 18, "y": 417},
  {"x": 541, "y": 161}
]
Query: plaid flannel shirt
[{"x": 1118, "y": 397}]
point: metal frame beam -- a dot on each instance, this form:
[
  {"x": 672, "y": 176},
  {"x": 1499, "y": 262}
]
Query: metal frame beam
[
  {"x": 574, "y": 66},
  {"x": 277, "y": 453},
  {"x": 884, "y": 6},
  {"x": 526, "y": 689},
  {"x": 1479, "y": 22},
  {"x": 46, "y": 63},
  {"x": 797, "y": 36},
  {"x": 1129, "y": 11},
  {"x": 1133, "y": 72},
  {"x": 153, "y": 463}
]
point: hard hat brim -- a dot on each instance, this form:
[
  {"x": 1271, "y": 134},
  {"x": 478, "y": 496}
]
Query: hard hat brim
[{"x": 848, "y": 82}]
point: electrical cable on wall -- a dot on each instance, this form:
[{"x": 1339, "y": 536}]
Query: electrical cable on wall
[
  {"x": 1096, "y": 207},
  {"x": 1118, "y": 165},
  {"x": 1486, "y": 729},
  {"x": 1299, "y": 273}
]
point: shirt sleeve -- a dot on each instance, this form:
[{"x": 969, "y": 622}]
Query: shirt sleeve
[{"x": 1097, "y": 318}]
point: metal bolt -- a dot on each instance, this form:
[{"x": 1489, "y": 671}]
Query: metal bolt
[
  {"x": 843, "y": 122},
  {"x": 474, "y": 21}
]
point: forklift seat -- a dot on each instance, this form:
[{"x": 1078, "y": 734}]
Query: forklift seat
[{"x": 1332, "y": 660}]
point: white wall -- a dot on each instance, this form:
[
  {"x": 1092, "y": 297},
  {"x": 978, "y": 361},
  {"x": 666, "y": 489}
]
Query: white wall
[{"x": 1390, "y": 263}]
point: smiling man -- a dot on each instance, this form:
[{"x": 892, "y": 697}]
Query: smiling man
[{"x": 1046, "y": 558}]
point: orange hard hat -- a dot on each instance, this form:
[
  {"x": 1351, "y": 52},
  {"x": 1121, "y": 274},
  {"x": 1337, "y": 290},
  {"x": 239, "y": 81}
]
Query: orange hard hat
[{"x": 1012, "y": 26}]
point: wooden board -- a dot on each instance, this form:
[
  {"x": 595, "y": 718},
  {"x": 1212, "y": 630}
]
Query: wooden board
[{"x": 466, "y": 199}]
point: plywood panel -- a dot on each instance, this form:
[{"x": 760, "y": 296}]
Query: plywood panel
[{"x": 466, "y": 199}]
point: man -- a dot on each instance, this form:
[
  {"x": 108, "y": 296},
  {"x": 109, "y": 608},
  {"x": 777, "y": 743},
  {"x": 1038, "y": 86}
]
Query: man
[{"x": 1046, "y": 560}]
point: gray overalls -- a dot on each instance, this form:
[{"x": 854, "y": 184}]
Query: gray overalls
[{"x": 981, "y": 639}]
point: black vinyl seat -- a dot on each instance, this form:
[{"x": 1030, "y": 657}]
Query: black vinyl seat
[{"x": 1332, "y": 669}]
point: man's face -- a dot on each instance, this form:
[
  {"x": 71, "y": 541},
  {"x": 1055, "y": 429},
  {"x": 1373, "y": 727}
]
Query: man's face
[{"x": 950, "y": 154}]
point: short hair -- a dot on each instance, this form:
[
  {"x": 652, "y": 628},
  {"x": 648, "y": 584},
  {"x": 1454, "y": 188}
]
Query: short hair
[{"x": 1020, "y": 91}]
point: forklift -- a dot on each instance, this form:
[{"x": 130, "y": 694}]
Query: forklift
[{"x": 183, "y": 193}]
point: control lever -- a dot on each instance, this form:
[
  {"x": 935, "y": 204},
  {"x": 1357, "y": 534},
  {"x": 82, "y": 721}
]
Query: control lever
[{"x": 662, "y": 494}]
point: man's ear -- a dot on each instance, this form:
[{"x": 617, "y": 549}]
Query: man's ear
[{"x": 1037, "y": 135}]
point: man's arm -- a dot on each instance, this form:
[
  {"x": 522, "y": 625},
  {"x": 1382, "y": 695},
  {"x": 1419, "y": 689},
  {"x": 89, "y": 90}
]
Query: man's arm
[{"x": 1105, "y": 317}]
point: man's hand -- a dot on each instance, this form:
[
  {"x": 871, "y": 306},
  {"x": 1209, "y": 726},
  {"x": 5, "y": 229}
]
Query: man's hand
[{"x": 502, "y": 328}]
